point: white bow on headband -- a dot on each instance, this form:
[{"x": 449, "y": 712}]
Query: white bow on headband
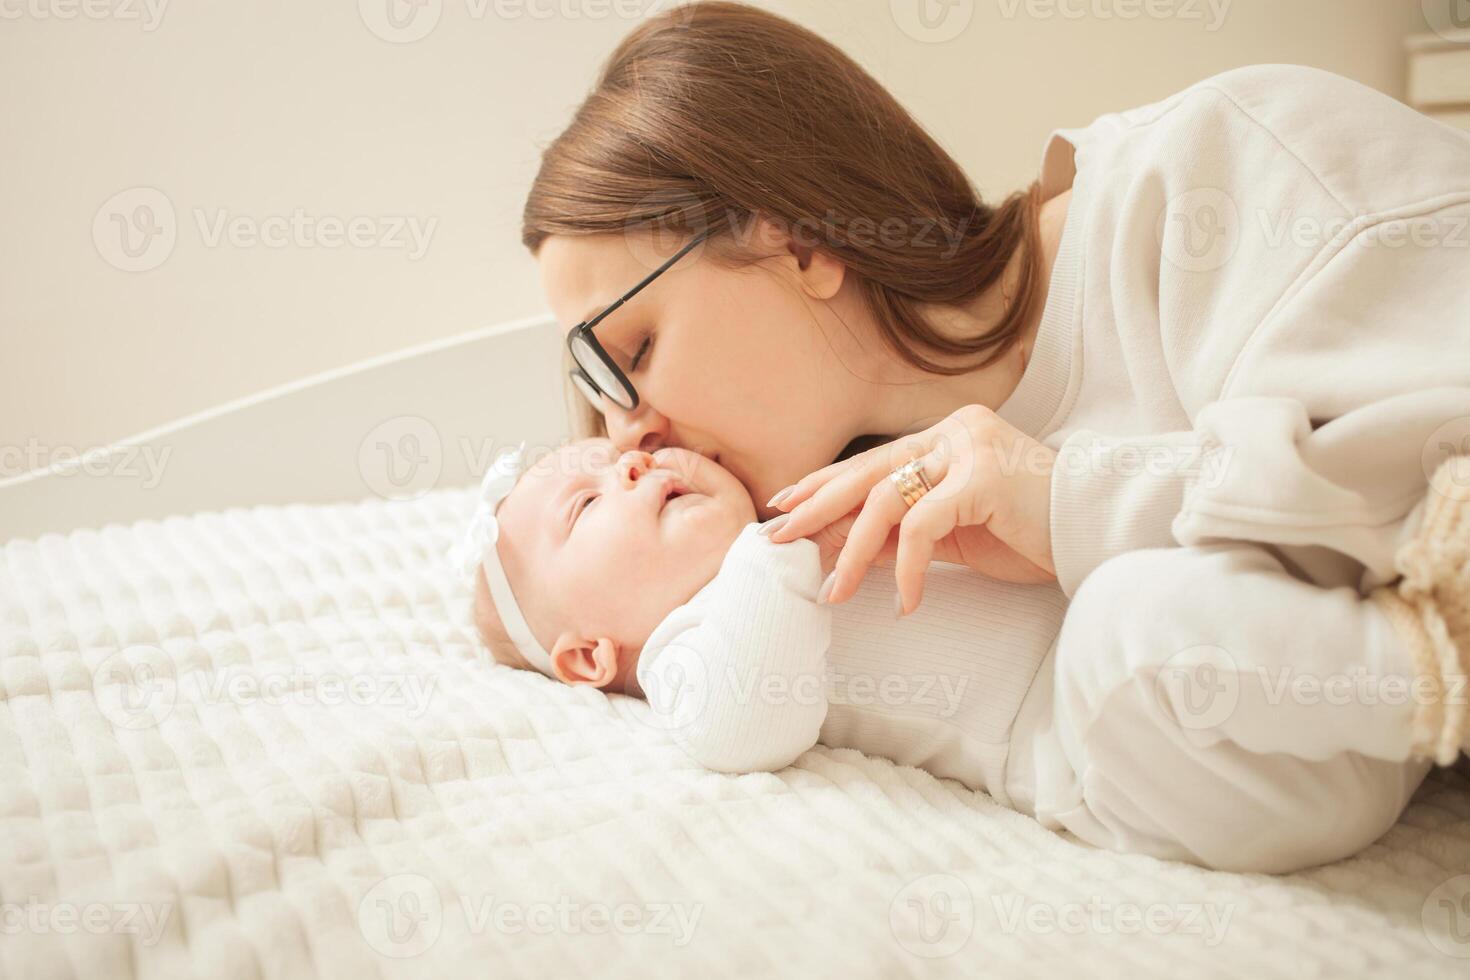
[{"x": 478, "y": 551}]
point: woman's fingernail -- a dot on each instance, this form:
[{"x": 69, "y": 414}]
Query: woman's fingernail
[
  {"x": 898, "y": 606},
  {"x": 827, "y": 584},
  {"x": 780, "y": 496},
  {"x": 773, "y": 525}
]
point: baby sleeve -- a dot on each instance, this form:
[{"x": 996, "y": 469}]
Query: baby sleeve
[{"x": 736, "y": 675}]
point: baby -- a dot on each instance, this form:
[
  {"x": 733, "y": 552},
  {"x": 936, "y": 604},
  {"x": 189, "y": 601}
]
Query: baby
[{"x": 647, "y": 574}]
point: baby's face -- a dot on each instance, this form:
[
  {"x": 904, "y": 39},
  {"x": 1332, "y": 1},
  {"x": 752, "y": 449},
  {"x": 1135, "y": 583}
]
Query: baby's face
[{"x": 609, "y": 543}]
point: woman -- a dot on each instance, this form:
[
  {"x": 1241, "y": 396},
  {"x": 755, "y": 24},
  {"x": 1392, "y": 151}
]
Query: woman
[{"x": 1202, "y": 373}]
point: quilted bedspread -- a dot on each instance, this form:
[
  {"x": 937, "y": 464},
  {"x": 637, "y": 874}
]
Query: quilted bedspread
[{"x": 262, "y": 743}]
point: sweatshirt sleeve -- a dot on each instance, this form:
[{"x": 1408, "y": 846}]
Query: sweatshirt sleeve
[
  {"x": 736, "y": 676},
  {"x": 1330, "y": 422}
]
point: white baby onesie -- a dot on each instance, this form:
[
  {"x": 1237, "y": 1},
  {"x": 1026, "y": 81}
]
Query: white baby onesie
[{"x": 751, "y": 672}]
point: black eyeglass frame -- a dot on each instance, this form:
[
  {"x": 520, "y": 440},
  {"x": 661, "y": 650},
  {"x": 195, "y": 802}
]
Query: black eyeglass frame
[{"x": 582, "y": 333}]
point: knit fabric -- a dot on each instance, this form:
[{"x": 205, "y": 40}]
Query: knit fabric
[{"x": 1430, "y": 608}]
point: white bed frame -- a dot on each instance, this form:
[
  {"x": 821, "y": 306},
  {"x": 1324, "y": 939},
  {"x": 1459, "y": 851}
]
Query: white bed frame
[{"x": 392, "y": 426}]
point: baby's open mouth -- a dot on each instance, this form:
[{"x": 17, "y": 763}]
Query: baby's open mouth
[{"x": 673, "y": 490}]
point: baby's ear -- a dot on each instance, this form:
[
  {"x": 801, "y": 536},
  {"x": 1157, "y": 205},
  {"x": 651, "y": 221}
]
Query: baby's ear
[{"x": 584, "y": 660}]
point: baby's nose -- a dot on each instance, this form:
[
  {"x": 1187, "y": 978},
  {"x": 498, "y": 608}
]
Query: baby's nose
[{"x": 632, "y": 465}]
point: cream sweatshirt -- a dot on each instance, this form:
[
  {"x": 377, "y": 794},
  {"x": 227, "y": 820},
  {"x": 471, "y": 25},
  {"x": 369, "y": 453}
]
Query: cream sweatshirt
[
  {"x": 1258, "y": 327},
  {"x": 1255, "y": 349}
]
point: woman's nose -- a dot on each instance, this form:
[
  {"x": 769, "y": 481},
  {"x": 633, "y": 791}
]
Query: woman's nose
[
  {"x": 632, "y": 465},
  {"x": 643, "y": 429}
]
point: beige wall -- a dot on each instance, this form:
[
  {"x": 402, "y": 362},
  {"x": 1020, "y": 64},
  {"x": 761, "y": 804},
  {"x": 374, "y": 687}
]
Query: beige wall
[{"x": 235, "y": 116}]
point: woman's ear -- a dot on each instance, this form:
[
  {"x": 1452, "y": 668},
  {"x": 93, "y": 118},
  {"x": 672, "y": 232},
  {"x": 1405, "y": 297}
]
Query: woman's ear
[
  {"x": 819, "y": 272},
  {"x": 584, "y": 660}
]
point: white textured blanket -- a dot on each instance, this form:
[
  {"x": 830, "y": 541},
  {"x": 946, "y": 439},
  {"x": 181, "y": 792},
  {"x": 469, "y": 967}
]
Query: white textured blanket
[{"x": 262, "y": 743}]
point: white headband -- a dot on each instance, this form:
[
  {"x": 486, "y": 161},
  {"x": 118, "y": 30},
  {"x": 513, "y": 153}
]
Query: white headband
[{"x": 478, "y": 551}]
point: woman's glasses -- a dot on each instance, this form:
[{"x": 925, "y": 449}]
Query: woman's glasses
[{"x": 597, "y": 375}]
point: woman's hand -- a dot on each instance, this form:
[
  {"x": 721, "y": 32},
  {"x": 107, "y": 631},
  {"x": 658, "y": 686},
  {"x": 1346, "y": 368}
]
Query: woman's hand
[{"x": 990, "y": 507}]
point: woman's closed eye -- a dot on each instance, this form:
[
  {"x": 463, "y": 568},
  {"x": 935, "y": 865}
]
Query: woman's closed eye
[{"x": 642, "y": 354}]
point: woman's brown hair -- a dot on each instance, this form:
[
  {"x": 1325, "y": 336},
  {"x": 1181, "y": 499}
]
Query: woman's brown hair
[{"x": 711, "y": 113}]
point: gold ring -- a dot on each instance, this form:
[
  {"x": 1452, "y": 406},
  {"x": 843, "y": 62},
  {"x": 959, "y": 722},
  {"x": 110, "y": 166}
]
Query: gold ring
[{"x": 910, "y": 481}]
